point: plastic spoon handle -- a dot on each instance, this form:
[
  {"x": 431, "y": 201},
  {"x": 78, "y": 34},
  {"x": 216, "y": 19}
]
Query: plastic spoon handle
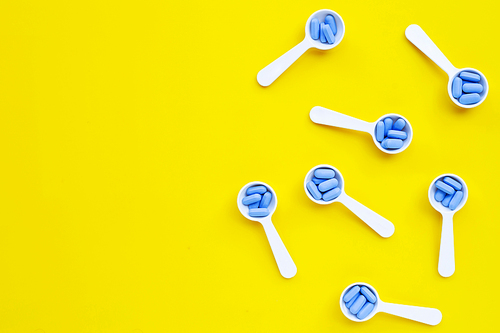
[
  {"x": 324, "y": 116},
  {"x": 285, "y": 263},
  {"x": 427, "y": 316},
  {"x": 419, "y": 38},
  {"x": 381, "y": 225},
  {"x": 272, "y": 71},
  {"x": 446, "y": 266}
]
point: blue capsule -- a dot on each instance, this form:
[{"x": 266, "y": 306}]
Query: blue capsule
[
  {"x": 472, "y": 88},
  {"x": 330, "y": 20},
  {"x": 314, "y": 28},
  {"x": 351, "y": 293},
  {"x": 379, "y": 131},
  {"x": 455, "y": 201},
  {"x": 365, "y": 311},
  {"x": 453, "y": 183},
  {"x": 456, "y": 87},
  {"x": 313, "y": 190},
  {"x": 399, "y": 124},
  {"x": 324, "y": 173},
  {"x": 266, "y": 200},
  {"x": 261, "y": 189},
  {"x": 468, "y": 99},
  {"x": 445, "y": 187},
  {"x": 439, "y": 195},
  {"x": 250, "y": 199},
  {"x": 393, "y": 134},
  {"x": 328, "y": 185},
  {"x": 387, "y": 125},
  {"x": 470, "y": 76},
  {"x": 258, "y": 212},
  {"x": 330, "y": 195}
]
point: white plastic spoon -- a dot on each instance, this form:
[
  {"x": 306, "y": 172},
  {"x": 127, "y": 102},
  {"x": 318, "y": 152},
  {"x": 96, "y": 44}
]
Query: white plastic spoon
[
  {"x": 272, "y": 71},
  {"x": 446, "y": 265},
  {"x": 381, "y": 225},
  {"x": 285, "y": 263},
  {"x": 324, "y": 116},
  {"x": 427, "y": 316},
  {"x": 419, "y": 38}
]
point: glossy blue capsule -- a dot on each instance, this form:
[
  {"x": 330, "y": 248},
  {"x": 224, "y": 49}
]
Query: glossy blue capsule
[
  {"x": 379, "y": 131},
  {"x": 393, "y": 134},
  {"x": 456, "y": 87},
  {"x": 455, "y": 201},
  {"x": 330, "y": 20},
  {"x": 315, "y": 28},
  {"x": 328, "y": 185},
  {"x": 313, "y": 190},
  {"x": 472, "y": 88},
  {"x": 453, "y": 183},
  {"x": 266, "y": 200},
  {"x": 472, "y": 77},
  {"x": 399, "y": 124},
  {"x": 324, "y": 173},
  {"x": 468, "y": 99}
]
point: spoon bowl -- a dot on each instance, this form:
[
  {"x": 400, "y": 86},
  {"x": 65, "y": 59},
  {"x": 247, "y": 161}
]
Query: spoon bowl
[
  {"x": 483, "y": 82},
  {"x": 272, "y": 71},
  {"x": 424, "y": 315},
  {"x": 244, "y": 209},
  {"x": 283, "y": 259},
  {"x": 324, "y": 116},
  {"x": 379, "y": 224}
]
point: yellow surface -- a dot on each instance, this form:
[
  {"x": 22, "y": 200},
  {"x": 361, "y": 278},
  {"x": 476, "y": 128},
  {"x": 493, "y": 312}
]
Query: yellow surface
[{"x": 127, "y": 130}]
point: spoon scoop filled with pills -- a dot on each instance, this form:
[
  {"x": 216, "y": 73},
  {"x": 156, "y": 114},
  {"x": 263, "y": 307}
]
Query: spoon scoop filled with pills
[
  {"x": 324, "y": 30},
  {"x": 360, "y": 302},
  {"x": 467, "y": 87},
  {"x": 257, "y": 202},
  {"x": 324, "y": 184},
  {"x": 447, "y": 194},
  {"x": 391, "y": 133}
]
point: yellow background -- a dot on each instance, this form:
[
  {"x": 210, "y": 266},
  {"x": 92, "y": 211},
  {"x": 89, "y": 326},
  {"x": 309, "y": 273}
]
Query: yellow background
[{"x": 127, "y": 130}]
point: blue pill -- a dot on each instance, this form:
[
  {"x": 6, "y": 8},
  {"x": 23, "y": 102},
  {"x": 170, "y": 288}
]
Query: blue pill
[
  {"x": 330, "y": 195},
  {"x": 330, "y": 20},
  {"x": 468, "y": 99},
  {"x": 470, "y": 76},
  {"x": 456, "y": 87},
  {"x": 351, "y": 302},
  {"x": 314, "y": 28},
  {"x": 393, "y": 134},
  {"x": 446, "y": 200},
  {"x": 439, "y": 195},
  {"x": 351, "y": 293},
  {"x": 445, "y": 187},
  {"x": 317, "y": 181},
  {"x": 365, "y": 311},
  {"x": 453, "y": 183},
  {"x": 250, "y": 199},
  {"x": 387, "y": 125},
  {"x": 379, "y": 131},
  {"x": 327, "y": 185},
  {"x": 324, "y": 173},
  {"x": 258, "y": 212},
  {"x": 313, "y": 190},
  {"x": 266, "y": 200},
  {"x": 254, "y": 205},
  {"x": 472, "y": 88},
  {"x": 370, "y": 297},
  {"x": 392, "y": 143},
  {"x": 455, "y": 201},
  {"x": 399, "y": 124},
  {"x": 261, "y": 189},
  {"x": 322, "y": 37},
  {"x": 358, "y": 304},
  {"x": 330, "y": 37}
]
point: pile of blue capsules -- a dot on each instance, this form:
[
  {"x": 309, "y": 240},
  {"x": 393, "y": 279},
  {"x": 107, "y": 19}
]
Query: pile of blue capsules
[
  {"x": 257, "y": 199},
  {"x": 324, "y": 185},
  {"x": 466, "y": 88},
  {"x": 326, "y": 31},
  {"x": 449, "y": 192},
  {"x": 360, "y": 301},
  {"x": 391, "y": 136}
]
